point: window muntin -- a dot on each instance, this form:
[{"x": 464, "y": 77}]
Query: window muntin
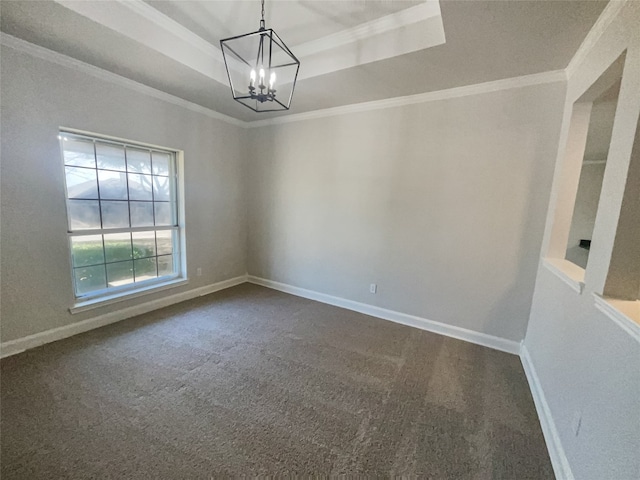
[{"x": 122, "y": 209}]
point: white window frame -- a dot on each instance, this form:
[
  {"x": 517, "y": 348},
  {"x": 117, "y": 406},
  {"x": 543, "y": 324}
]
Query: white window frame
[{"x": 97, "y": 298}]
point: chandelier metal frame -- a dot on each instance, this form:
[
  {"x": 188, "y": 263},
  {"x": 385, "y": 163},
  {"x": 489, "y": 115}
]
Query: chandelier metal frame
[{"x": 258, "y": 89}]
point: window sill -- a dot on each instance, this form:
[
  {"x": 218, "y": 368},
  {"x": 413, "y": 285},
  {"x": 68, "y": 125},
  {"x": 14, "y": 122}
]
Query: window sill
[
  {"x": 626, "y": 313},
  {"x": 568, "y": 272},
  {"x": 85, "y": 305}
]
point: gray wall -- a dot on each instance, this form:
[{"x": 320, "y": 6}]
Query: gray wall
[
  {"x": 37, "y": 98},
  {"x": 442, "y": 204},
  {"x": 588, "y": 365}
]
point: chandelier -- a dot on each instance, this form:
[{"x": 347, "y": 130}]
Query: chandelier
[{"x": 256, "y": 62}]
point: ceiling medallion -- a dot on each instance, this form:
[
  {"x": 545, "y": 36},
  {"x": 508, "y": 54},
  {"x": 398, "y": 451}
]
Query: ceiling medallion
[{"x": 255, "y": 62}]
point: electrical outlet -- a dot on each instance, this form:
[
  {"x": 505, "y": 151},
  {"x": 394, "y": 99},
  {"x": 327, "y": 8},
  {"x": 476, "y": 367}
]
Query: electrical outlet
[
  {"x": 577, "y": 422},
  {"x": 198, "y": 271},
  {"x": 373, "y": 288}
]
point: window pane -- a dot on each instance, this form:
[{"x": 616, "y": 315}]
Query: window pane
[
  {"x": 144, "y": 244},
  {"x": 145, "y": 269},
  {"x": 164, "y": 241},
  {"x": 165, "y": 265},
  {"x": 113, "y": 185},
  {"x": 115, "y": 214},
  {"x": 164, "y": 214},
  {"x": 84, "y": 214},
  {"x": 78, "y": 152},
  {"x": 140, "y": 187},
  {"x": 160, "y": 163},
  {"x": 81, "y": 182},
  {"x": 110, "y": 156},
  {"x": 88, "y": 279},
  {"x": 87, "y": 250},
  {"x": 138, "y": 161},
  {"x": 119, "y": 273},
  {"x": 162, "y": 188},
  {"x": 141, "y": 214},
  {"x": 117, "y": 247}
]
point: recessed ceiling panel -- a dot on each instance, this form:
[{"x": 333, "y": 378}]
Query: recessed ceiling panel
[
  {"x": 295, "y": 21},
  {"x": 485, "y": 41}
]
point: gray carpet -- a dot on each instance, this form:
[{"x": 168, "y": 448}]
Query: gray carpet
[{"x": 250, "y": 381}]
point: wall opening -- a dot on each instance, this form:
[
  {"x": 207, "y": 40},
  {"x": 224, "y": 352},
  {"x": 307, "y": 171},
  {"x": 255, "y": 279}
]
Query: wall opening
[{"x": 602, "y": 111}]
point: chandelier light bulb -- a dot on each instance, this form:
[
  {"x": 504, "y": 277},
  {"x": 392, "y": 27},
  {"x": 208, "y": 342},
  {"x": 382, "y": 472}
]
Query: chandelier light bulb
[{"x": 263, "y": 54}]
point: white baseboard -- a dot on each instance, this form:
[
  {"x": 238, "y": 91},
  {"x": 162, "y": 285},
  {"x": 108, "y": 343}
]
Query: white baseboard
[
  {"x": 559, "y": 460},
  {"x": 497, "y": 343},
  {"x": 21, "y": 344}
]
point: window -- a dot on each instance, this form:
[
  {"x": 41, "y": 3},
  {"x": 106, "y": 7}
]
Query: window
[{"x": 122, "y": 210}]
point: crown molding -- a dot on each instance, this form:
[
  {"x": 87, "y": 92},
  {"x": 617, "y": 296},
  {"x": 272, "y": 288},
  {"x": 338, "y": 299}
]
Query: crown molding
[
  {"x": 479, "y": 88},
  {"x": 408, "y": 16},
  {"x": 140, "y": 22},
  {"x": 607, "y": 16},
  {"x": 400, "y": 19},
  {"x": 167, "y": 23},
  {"x": 405, "y": 31},
  {"x": 410, "y": 29},
  {"x": 97, "y": 72}
]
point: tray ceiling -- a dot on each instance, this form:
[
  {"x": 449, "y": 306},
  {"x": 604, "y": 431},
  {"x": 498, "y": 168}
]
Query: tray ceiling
[{"x": 351, "y": 51}]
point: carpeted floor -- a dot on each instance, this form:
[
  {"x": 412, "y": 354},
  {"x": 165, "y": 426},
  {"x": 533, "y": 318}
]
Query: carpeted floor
[{"x": 250, "y": 381}]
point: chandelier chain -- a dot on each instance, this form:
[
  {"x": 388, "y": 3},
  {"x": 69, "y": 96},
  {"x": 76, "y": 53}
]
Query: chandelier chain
[{"x": 259, "y": 69}]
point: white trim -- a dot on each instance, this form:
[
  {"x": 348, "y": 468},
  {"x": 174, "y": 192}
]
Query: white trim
[
  {"x": 559, "y": 461},
  {"x": 123, "y": 296},
  {"x": 110, "y": 138},
  {"x": 479, "y": 88},
  {"x": 13, "y": 347},
  {"x": 66, "y": 61},
  {"x": 471, "y": 336},
  {"x": 400, "y": 19},
  {"x": 611, "y": 308},
  {"x": 607, "y": 16},
  {"x": 566, "y": 271},
  {"x": 143, "y": 24},
  {"x": 407, "y": 16},
  {"x": 170, "y": 25}
]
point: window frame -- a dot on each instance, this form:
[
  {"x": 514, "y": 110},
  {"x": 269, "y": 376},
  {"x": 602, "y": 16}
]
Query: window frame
[{"x": 96, "y": 298}]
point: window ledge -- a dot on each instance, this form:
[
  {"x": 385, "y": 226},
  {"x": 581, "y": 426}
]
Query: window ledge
[
  {"x": 568, "y": 272},
  {"x": 85, "y": 305},
  {"x": 626, "y": 313}
]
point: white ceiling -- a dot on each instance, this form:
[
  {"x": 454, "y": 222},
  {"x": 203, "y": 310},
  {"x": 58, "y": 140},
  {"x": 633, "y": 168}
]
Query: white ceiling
[
  {"x": 295, "y": 21},
  {"x": 353, "y": 51}
]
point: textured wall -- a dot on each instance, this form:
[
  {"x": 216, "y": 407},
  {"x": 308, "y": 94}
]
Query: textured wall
[
  {"x": 38, "y": 97},
  {"x": 442, "y": 204}
]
